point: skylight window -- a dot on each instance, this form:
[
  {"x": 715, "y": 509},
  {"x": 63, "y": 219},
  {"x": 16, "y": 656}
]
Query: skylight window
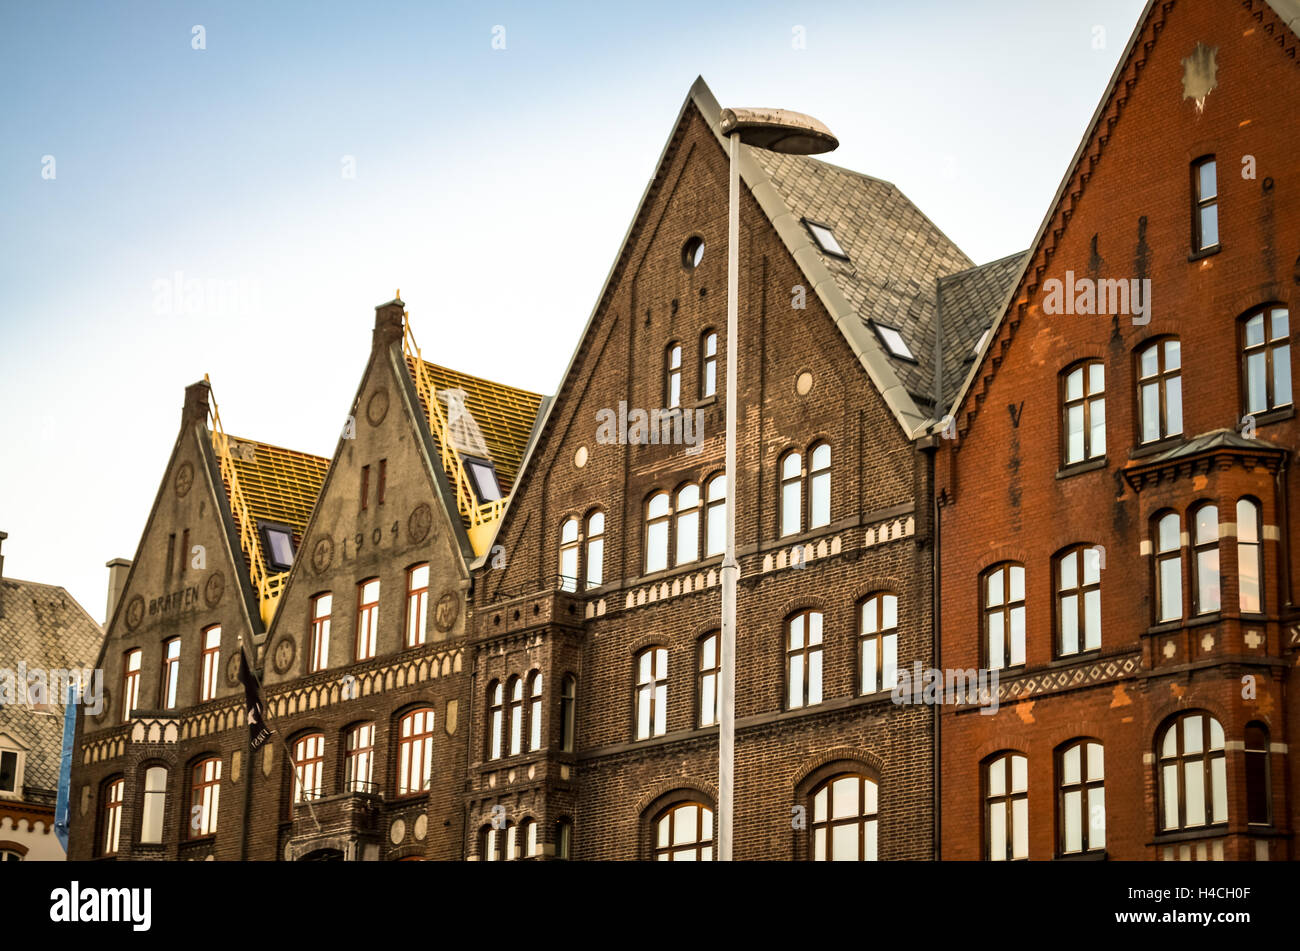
[
  {"x": 484, "y": 476},
  {"x": 825, "y": 239},
  {"x": 893, "y": 341},
  {"x": 979, "y": 344},
  {"x": 277, "y": 542}
]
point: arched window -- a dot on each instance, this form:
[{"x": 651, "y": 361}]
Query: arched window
[
  {"x": 651, "y": 702},
  {"x": 708, "y": 694},
  {"x": 878, "y": 643},
  {"x": 709, "y": 364},
  {"x": 595, "y": 549},
  {"x": 715, "y": 516},
  {"x": 684, "y": 833},
  {"x": 1169, "y": 567},
  {"x": 673, "y": 376},
  {"x": 415, "y": 752},
  {"x": 1266, "y": 358},
  {"x": 1083, "y": 405},
  {"x": 515, "y": 713},
  {"x": 417, "y": 604},
  {"x": 359, "y": 765},
  {"x": 1006, "y": 807},
  {"x": 528, "y": 838},
  {"x": 844, "y": 818},
  {"x": 1259, "y": 798},
  {"x": 657, "y": 519},
  {"x": 1160, "y": 390},
  {"x": 535, "y": 710},
  {"x": 791, "y": 494},
  {"x": 568, "y": 712},
  {"x": 1003, "y": 591},
  {"x": 569, "y": 547},
  {"x": 321, "y": 605},
  {"x": 1078, "y": 601},
  {"x": 1250, "y": 566},
  {"x": 309, "y": 772},
  {"x": 688, "y": 524},
  {"x": 819, "y": 486},
  {"x": 1081, "y": 802},
  {"x": 496, "y": 717},
  {"x": 110, "y": 817},
  {"x": 1205, "y": 558},
  {"x": 131, "y": 682},
  {"x": 803, "y": 660},
  {"x": 1193, "y": 773},
  {"x": 171, "y": 672},
  {"x": 205, "y": 798},
  {"x": 493, "y": 842},
  {"x": 154, "y": 805}
]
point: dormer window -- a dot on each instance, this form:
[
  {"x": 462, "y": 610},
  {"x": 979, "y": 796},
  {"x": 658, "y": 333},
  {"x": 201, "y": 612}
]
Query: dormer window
[
  {"x": 484, "y": 476},
  {"x": 11, "y": 767},
  {"x": 277, "y": 543},
  {"x": 825, "y": 239},
  {"x": 893, "y": 341}
]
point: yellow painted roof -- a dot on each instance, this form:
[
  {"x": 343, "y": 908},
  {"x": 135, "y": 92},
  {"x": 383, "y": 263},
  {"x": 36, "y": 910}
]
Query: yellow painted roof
[
  {"x": 279, "y": 485},
  {"x": 505, "y": 414}
]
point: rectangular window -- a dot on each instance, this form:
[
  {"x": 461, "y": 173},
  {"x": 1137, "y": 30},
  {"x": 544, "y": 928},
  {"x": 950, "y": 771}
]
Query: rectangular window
[
  {"x": 205, "y": 799},
  {"x": 365, "y": 487},
  {"x": 415, "y": 753},
  {"x": 652, "y": 693},
  {"x": 131, "y": 683},
  {"x": 209, "y": 664},
  {"x": 803, "y": 660},
  {"x": 112, "y": 819},
  {"x": 709, "y": 365},
  {"x": 321, "y": 605},
  {"x": 1205, "y": 210},
  {"x": 360, "y": 763},
  {"x": 1004, "y": 616},
  {"x": 1084, "y": 406},
  {"x": 383, "y": 480},
  {"x": 8, "y": 771},
  {"x": 709, "y": 696},
  {"x": 417, "y": 604},
  {"x": 367, "y": 618},
  {"x": 155, "y": 802},
  {"x": 171, "y": 672},
  {"x": 309, "y": 767},
  {"x": 1078, "y": 601}
]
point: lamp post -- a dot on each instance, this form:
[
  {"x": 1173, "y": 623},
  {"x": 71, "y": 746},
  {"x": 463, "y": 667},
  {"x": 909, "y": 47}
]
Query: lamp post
[{"x": 791, "y": 133}]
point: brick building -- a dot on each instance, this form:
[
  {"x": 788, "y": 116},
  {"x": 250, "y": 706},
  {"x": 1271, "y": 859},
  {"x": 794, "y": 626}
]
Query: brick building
[
  {"x": 47, "y": 641},
  {"x": 1129, "y": 565}
]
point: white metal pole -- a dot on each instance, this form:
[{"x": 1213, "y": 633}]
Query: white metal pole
[{"x": 730, "y": 567}]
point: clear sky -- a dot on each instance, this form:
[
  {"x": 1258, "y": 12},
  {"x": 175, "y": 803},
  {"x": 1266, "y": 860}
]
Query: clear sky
[{"x": 493, "y": 186}]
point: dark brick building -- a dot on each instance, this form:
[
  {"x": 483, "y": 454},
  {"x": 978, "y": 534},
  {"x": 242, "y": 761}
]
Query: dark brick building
[{"x": 1114, "y": 527}]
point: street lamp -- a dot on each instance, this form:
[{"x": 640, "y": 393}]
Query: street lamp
[{"x": 790, "y": 133}]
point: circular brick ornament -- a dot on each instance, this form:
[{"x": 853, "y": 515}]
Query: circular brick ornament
[
  {"x": 215, "y": 589},
  {"x": 397, "y": 831},
  {"x": 285, "y": 651},
  {"x": 377, "y": 406},
  {"x": 446, "y": 612},
  {"x": 580, "y": 457},
  {"x": 420, "y": 522},
  {"x": 803, "y": 385},
  {"x": 184, "y": 479},
  {"x": 134, "y": 612},
  {"x": 322, "y": 554}
]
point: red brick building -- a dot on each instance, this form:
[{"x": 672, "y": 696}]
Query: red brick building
[{"x": 1115, "y": 527}]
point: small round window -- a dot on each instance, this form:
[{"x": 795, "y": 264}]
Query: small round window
[{"x": 693, "y": 253}]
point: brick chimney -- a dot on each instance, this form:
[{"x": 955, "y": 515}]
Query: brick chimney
[
  {"x": 389, "y": 322},
  {"x": 117, "y": 571},
  {"x": 197, "y": 398}
]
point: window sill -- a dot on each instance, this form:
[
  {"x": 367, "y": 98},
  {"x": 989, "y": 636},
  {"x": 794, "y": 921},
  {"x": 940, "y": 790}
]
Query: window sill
[
  {"x": 704, "y": 401},
  {"x": 1276, "y": 415},
  {"x": 1200, "y": 620},
  {"x": 1078, "y": 467},
  {"x": 1157, "y": 446},
  {"x": 1191, "y": 835},
  {"x": 1204, "y": 253},
  {"x": 1097, "y": 855}
]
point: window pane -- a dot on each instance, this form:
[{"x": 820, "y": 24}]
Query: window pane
[
  {"x": 820, "y": 489},
  {"x": 1168, "y": 533},
  {"x": 1074, "y": 434},
  {"x": 1207, "y": 524},
  {"x": 1150, "y": 412},
  {"x": 1073, "y": 820},
  {"x": 595, "y": 562},
  {"x": 998, "y": 831},
  {"x": 1219, "y": 789},
  {"x": 1281, "y": 375},
  {"x": 1069, "y": 624},
  {"x": 1216, "y": 734},
  {"x": 889, "y": 669},
  {"x": 1206, "y": 187},
  {"x": 1209, "y": 226},
  {"x": 1019, "y": 774},
  {"x": 688, "y": 537},
  {"x": 844, "y": 797},
  {"x": 815, "y": 628},
  {"x": 997, "y": 646},
  {"x": 1017, "y": 636},
  {"x": 795, "y": 692},
  {"x": 1169, "y": 794},
  {"x": 1092, "y": 620},
  {"x": 869, "y": 671},
  {"x": 1096, "y": 378},
  {"x": 1074, "y": 385},
  {"x": 1256, "y": 383},
  {"x": 657, "y": 547},
  {"x": 1174, "y": 405},
  {"x": 1207, "y": 576},
  {"x": 889, "y": 611},
  {"x": 1150, "y": 361},
  {"x": 1171, "y": 589},
  {"x": 1095, "y": 762},
  {"x": 995, "y": 589},
  {"x": 1097, "y": 440},
  {"x": 1070, "y": 765},
  {"x": 814, "y": 677},
  {"x": 1173, "y": 355},
  {"x": 1194, "y": 777},
  {"x": 1017, "y": 579},
  {"x": 998, "y": 777},
  {"x": 1069, "y": 572},
  {"x": 1097, "y": 818},
  {"x": 790, "y": 502},
  {"x": 1020, "y": 829},
  {"x": 792, "y": 465},
  {"x": 844, "y": 846}
]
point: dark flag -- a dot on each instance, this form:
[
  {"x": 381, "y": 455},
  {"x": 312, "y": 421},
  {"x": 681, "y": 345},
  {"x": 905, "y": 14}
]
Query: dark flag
[{"x": 258, "y": 732}]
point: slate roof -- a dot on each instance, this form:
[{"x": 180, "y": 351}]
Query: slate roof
[
  {"x": 279, "y": 485},
  {"x": 1215, "y": 439},
  {"x": 895, "y": 253},
  {"x": 969, "y": 302},
  {"x": 507, "y": 416},
  {"x": 43, "y": 626}
]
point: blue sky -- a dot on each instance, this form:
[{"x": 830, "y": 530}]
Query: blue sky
[{"x": 491, "y": 185}]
